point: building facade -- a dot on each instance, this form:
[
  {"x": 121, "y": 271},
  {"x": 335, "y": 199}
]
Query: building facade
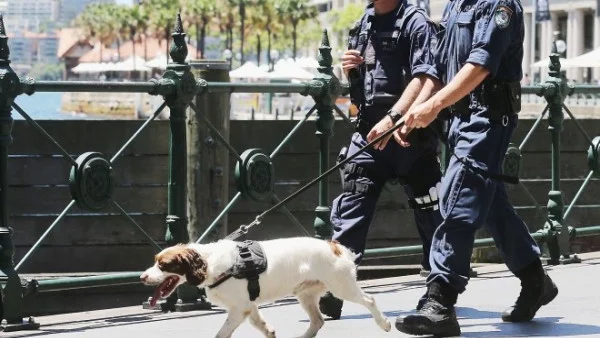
[
  {"x": 42, "y": 15},
  {"x": 31, "y": 16},
  {"x": 29, "y": 48},
  {"x": 576, "y": 20}
]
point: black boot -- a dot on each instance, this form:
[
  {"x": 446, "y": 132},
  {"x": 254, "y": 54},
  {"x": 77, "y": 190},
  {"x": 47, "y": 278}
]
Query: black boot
[
  {"x": 537, "y": 289},
  {"x": 422, "y": 301},
  {"x": 331, "y": 306},
  {"x": 425, "y": 270},
  {"x": 437, "y": 316}
]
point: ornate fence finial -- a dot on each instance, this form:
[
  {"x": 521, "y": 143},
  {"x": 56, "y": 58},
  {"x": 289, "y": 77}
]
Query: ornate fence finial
[
  {"x": 554, "y": 66},
  {"x": 179, "y": 49},
  {"x": 179, "y": 24},
  {"x": 4, "y": 51},
  {"x": 2, "y": 29},
  {"x": 325, "y": 59}
]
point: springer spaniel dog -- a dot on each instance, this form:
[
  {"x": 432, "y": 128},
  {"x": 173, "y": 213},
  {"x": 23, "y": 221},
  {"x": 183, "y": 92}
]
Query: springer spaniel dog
[{"x": 304, "y": 267}]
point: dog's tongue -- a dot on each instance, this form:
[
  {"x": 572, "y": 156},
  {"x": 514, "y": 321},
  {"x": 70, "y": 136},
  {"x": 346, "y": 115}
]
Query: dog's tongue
[{"x": 156, "y": 296}]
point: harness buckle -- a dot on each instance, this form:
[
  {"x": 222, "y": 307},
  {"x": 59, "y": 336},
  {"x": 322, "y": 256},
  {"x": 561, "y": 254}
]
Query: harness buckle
[{"x": 505, "y": 120}]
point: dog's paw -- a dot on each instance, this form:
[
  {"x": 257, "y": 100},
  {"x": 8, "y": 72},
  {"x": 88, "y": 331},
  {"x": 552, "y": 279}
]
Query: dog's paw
[
  {"x": 271, "y": 334},
  {"x": 386, "y": 326}
]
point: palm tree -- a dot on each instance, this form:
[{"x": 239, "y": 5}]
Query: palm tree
[
  {"x": 136, "y": 24},
  {"x": 264, "y": 18},
  {"x": 241, "y": 5},
  {"x": 88, "y": 25},
  {"x": 120, "y": 23},
  {"x": 162, "y": 15},
  {"x": 256, "y": 24},
  {"x": 295, "y": 11},
  {"x": 95, "y": 23},
  {"x": 144, "y": 25},
  {"x": 226, "y": 17},
  {"x": 199, "y": 13}
]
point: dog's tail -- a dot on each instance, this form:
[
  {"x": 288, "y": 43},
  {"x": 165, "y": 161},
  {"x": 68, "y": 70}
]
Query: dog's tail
[{"x": 341, "y": 251}]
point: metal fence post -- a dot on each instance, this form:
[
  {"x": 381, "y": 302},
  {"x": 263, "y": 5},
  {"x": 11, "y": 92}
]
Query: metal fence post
[
  {"x": 11, "y": 297},
  {"x": 325, "y": 100},
  {"x": 179, "y": 73},
  {"x": 555, "y": 91}
]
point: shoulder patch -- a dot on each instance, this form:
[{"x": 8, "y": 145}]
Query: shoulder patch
[{"x": 502, "y": 16}]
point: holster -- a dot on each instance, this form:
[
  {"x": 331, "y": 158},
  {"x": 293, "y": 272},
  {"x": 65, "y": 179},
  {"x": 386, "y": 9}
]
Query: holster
[{"x": 500, "y": 98}]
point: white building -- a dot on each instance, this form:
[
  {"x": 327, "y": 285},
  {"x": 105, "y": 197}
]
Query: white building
[
  {"x": 575, "y": 19},
  {"x": 31, "y": 15}
]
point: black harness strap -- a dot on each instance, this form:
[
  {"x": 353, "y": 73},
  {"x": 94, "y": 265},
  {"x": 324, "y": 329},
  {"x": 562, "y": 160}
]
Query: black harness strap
[{"x": 250, "y": 263}]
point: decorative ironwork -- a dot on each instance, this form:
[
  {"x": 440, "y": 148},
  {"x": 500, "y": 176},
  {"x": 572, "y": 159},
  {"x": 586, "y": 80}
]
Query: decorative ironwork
[
  {"x": 512, "y": 161},
  {"x": 255, "y": 175},
  {"x": 91, "y": 181},
  {"x": 593, "y": 156}
]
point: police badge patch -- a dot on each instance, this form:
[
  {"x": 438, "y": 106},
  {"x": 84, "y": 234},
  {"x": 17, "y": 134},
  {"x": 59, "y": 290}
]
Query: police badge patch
[{"x": 502, "y": 16}]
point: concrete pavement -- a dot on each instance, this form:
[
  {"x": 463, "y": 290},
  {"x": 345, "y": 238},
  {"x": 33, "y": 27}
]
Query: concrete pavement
[{"x": 574, "y": 313}]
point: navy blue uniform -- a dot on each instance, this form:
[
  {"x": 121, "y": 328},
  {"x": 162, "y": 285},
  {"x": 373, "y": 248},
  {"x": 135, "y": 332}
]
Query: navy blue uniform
[
  {"x": 488, "y": 33},
  {"x": 396, "y": 47}
]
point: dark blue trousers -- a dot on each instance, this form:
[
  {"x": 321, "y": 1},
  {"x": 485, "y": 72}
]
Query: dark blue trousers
[
  {"x": 469, "y": 201},
  {"x": 417, "y": 168}
]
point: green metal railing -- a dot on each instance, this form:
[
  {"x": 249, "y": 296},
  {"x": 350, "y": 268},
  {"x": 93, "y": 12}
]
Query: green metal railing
[
  {"x": 91, "y": 182},
  {"x": 91, "y": 179}
]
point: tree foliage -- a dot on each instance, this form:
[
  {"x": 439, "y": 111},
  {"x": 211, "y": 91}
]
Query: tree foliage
[
  {"x": 244, "y": 26},
  {"x": 344, "y": 19}
]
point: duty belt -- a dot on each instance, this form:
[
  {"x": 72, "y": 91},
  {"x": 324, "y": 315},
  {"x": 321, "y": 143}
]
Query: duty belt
[{"x": 501, "y": 98}]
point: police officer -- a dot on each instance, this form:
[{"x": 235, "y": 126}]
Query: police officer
[
  {"x": 479, "y": 59},
  {"x": 388, "y": 56}
]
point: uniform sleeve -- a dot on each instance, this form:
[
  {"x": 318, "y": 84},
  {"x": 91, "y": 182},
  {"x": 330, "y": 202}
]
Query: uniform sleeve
[
  {"x": 437, "y": 70},
  {"x": 422, "y": 42},
  {"x": 494, "y": 28}
]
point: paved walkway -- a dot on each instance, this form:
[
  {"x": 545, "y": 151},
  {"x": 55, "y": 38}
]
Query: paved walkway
[{"x": 574, "y": 313}]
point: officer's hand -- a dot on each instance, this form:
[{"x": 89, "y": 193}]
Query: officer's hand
[
  {"x": 401, "y": 135},
  {"x": 380, "y": 128},
  {"x": 351, "y": 59},
  {"x": 420, "y": 116}
]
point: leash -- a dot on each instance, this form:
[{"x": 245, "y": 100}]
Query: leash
[{"x": 243, "y": 229}]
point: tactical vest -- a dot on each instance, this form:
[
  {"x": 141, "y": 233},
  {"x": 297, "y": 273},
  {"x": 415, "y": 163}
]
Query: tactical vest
[
  {"x": 383, "y": 78},
  {"x": 249, "y": 264}
]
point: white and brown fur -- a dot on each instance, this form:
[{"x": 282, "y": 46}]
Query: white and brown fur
[{"x": 304, "y": 267}]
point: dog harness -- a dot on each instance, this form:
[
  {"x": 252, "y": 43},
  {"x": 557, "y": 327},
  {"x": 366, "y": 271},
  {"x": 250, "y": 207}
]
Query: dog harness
[{"x": 249, "y": 264}]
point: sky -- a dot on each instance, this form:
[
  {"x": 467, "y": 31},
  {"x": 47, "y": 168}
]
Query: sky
[{"x": 126, "y": 2}]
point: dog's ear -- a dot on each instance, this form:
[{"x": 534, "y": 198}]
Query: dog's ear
[{"x": 196, "y": 272}]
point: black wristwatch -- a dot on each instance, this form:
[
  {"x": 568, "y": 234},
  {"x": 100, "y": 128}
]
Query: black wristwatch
[{"x": 394, "y": 115}]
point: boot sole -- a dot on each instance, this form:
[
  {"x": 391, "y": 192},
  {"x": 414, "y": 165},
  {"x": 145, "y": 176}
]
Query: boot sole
[
  {"x": 549, "y": 297},
  {"x": 424, "y": 326}
]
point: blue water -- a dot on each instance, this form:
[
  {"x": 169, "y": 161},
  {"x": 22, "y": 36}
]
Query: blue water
[{"x": 44, "y": 106}]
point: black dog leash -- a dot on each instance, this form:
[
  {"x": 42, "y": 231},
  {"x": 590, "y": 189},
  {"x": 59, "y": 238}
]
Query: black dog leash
[{"x": 244, "y": 228}]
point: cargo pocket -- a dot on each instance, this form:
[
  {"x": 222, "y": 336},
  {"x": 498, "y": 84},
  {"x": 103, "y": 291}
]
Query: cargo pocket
[{"x": 449, "y": 197}]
